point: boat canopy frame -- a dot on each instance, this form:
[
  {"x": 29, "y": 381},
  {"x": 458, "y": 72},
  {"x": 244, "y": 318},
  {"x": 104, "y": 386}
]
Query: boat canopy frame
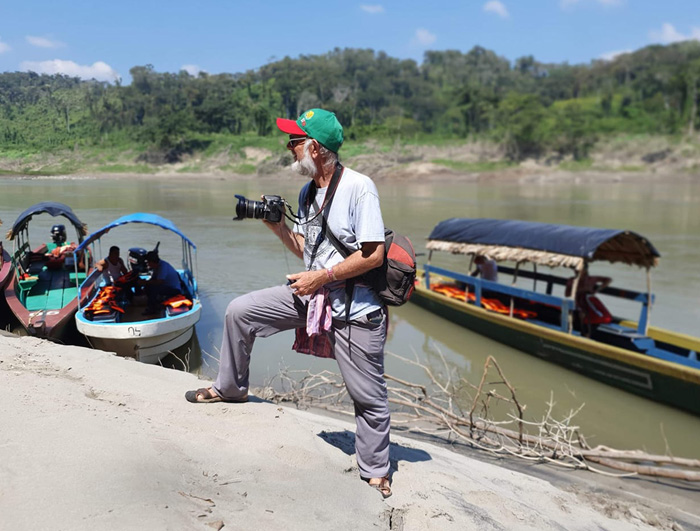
[
  {"x": 19, "y": 233},
  {"x": 189, "y": 249}
]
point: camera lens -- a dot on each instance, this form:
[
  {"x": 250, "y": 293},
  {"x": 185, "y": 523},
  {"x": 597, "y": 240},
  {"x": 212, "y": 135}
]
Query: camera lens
[{"x": 245, "y": 208}]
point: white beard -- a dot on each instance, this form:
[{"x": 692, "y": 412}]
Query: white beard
[{"x": 305, "y": 166}]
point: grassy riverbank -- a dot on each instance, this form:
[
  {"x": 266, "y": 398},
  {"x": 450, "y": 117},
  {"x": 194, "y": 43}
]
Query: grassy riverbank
[{"x": 259, "y": 156}]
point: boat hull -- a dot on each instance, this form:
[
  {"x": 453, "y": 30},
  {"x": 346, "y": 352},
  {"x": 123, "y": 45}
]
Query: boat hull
[
  {"x": 5, "y": 268},
  {"x": 146, "y": 341},
  {"x": 49, "y": 323},
  {"x": 644, "y": 375}
]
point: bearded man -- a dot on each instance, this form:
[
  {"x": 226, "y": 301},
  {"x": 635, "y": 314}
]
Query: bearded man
[{"x": 333, "y": 318}]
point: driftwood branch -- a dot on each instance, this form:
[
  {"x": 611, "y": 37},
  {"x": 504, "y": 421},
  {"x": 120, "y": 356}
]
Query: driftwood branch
[{"x": 438, "y": 409}]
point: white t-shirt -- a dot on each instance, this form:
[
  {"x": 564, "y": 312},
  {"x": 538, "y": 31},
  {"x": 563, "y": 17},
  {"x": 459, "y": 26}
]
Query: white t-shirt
[
  {"x": 489, "y": 270},
  {"x": 112, "y": 271},
  {"x": 354, "y": 218}
]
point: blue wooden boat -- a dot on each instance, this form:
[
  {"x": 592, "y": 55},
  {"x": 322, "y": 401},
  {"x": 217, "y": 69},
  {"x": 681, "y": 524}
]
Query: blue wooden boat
[
  {"x": 41, "y": 291},
  {"x": 628, "y": 353},
  {"x": 113, "y": 319}
]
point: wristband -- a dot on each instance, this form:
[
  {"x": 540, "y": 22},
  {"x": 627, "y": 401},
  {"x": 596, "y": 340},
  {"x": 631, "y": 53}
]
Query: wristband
[{"x": 331, "y": 275}]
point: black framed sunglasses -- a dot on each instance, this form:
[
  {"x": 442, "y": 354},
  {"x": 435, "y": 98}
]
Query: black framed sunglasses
[{"x": 294, "y": 142}]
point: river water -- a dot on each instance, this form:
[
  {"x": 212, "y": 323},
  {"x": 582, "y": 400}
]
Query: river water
[{"x": 237, "y": 257}]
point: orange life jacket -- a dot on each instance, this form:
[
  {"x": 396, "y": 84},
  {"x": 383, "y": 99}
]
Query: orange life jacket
[
  {"x": 177, "y": 301},
  {"x": 493, "y": 305}
]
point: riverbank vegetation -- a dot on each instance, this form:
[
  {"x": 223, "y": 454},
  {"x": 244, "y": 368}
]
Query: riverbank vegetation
[{"x": 644, "y": 103}]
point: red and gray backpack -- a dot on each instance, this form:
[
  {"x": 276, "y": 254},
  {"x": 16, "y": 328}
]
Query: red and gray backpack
[{"x": 394, "y": 280}]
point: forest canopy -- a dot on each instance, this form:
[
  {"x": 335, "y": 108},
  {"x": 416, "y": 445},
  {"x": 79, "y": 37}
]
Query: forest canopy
[{"x": 531, "y": 108}]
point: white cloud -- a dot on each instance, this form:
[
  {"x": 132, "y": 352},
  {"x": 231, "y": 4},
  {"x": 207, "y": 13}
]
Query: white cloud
[
  {"x": 424, "y": 37},
  {"x": 669, "y": 34},
  {"x": 4, "y": 47},
  {"x": 494, "y": 6},
  {"x": 43, "y": 42},
  {"x": 99, "y": 70},
  {"x": 192, "y": 70},
  {"x": 609, "y": 56},
  {"x": 372, "y": 9}
]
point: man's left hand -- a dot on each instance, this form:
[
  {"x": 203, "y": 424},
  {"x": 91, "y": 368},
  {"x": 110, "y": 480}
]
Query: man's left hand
[{"x": 307, "y": 282}]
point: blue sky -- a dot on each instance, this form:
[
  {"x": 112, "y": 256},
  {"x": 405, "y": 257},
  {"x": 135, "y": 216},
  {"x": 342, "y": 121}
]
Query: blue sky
[{"x": 105, "y": 39}]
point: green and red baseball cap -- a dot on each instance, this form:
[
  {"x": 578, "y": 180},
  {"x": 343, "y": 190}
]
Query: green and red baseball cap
[{"x": 318, "y": 124}]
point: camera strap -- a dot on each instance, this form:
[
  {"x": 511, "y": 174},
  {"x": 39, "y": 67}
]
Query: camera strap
[{"x": 311, "y": 195}]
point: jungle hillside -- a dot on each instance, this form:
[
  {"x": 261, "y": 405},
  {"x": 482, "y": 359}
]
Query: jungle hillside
[{"x": 462, "y": 112}]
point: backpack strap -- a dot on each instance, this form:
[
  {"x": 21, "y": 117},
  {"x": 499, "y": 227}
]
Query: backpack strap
[{"x": 345, "y": 252}]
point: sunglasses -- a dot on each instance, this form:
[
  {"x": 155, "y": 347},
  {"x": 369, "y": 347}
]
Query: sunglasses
[{"x": 294, "y": 142}]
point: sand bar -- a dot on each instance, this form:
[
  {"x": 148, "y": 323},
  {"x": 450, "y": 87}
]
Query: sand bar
[{"x": 92, "y": 441}]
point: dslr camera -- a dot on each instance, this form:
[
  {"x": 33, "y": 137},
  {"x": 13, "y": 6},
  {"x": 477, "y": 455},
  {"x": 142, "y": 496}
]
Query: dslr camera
[{"x": 271, "y": 208}]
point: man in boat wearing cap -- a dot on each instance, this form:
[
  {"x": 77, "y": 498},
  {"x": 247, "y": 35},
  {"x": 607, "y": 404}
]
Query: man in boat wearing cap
[{"x": 332, "y": 319}]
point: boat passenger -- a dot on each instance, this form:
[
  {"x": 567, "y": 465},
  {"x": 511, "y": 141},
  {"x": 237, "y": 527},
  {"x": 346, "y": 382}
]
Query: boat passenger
[
  {"x": 112, "y": 266},
  {"x": 590, "y": 310},
  {"x": 163, "y": 284},
  {"x": 486, "y": 268}
]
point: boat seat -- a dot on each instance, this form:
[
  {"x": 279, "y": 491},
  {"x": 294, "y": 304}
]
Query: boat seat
[
  {"x": 623, "y": 337},
  {"x": 111, "y": 316},
  {"x": 28, "y": 284},
  {"x": 619, "y": 330}
]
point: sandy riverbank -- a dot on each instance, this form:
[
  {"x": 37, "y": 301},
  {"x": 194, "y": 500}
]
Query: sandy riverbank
[{"x": 92, "y": 441}]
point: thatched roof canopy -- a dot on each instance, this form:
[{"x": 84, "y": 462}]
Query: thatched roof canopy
[{"x": 541, "y": 243}]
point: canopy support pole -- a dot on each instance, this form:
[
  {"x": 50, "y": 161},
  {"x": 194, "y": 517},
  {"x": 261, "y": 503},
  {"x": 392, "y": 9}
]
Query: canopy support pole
[
  {"x": 515, "y": 279},
  {"x": 534, "y": 280},
  {"x": 572, "y": 296},
  {"x": 427, "y": 273},
  {"x": 643, "y": 327}
]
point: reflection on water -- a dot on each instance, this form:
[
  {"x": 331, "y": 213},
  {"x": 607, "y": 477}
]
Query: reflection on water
[{"x": 237, "y": 257}]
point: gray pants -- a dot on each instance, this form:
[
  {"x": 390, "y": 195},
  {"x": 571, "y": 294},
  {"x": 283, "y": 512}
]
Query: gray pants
[{"x": 358, "y": 349}]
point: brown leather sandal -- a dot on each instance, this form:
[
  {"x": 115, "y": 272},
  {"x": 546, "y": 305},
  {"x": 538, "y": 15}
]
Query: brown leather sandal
[
  {"x": 383, "y": 485},
  {"x": 207, "y": 395}
]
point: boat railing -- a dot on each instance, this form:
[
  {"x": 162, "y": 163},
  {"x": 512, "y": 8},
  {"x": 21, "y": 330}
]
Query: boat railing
[
  {"x": 565, "y": 305},
  {"x": 544, "y": 277},
  {"x": 88, "y": 287}
]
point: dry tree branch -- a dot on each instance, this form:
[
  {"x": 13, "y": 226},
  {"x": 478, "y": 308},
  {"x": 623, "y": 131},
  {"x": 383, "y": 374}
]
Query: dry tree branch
[{"x": 437, "y": 404}]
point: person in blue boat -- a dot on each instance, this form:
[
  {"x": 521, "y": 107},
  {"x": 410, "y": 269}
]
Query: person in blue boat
[
  {"x": 330, "y": 320},
  {"x": 112, "y": 266},
  {"x": 163, "y": 283}
]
